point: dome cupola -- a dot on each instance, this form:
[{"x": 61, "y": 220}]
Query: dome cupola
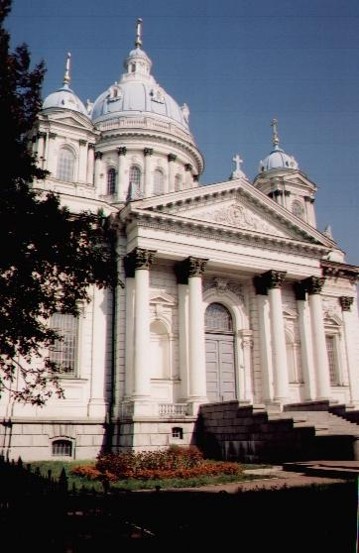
[
  {"x": 278, "y": 158},
  {"x": 138, "y": 93},
  {"x": 64, "y": 97}
]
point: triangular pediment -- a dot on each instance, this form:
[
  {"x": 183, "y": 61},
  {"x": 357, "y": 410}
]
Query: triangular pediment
[
  {"x": 232, "y": 206},
  {"x": 69, "y": 118}
]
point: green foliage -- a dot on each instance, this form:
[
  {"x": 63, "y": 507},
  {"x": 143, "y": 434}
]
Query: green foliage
[{"x": 50, "y": 257}]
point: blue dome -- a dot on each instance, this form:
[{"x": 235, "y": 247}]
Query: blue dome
[
  {"x": 277, "y": 159},
  {"x": 64, "y": 98},
  {"x": 137, "y": 93}
]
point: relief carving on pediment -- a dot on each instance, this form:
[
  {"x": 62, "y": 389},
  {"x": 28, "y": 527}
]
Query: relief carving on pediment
[{"x": 239, "y": 216}]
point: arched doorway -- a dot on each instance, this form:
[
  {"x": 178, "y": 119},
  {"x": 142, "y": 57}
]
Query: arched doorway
[{"x": 220, "y": 357}]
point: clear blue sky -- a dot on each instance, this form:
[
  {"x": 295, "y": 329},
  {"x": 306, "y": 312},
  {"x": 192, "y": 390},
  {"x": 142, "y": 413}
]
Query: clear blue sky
[{"x": 237, "y": 64}]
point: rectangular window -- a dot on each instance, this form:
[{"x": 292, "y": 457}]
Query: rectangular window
[
  {"x": 332, "y": 359},
  {"x": 64, "y": 352}
]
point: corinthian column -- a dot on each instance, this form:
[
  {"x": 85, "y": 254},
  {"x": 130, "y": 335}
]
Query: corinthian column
[
  {"x": 350, "y": 345},
  {"x": 190, "y": 271},
  {"x": 139, "y": 262},
  {"x": 271, "y": 283},
  {"x": 314, "y": 287}
]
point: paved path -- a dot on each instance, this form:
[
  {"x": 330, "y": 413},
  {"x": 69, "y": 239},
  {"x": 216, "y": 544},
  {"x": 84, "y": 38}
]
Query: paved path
[{"x": 280, "y": 478}]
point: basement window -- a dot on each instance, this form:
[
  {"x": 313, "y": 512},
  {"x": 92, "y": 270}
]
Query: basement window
[{"x": 177, "y": 432}]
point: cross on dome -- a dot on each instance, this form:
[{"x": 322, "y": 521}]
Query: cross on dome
[
  {"x": 274, "y": 125},
  {"x": 67, "y": 78},
  {"x": 138, "y": 41}
]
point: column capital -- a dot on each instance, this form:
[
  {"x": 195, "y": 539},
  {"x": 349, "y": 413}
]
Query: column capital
[
  {"x": 314, "y": 284},
  {"x": 269, "y": 280},
  {"x": 189, "y": 267},
  {"x": 171, "y": 157},
  {"x": 122, "y": 151},
  {"x": 346, "y": 302},
  {"x": 148, "y": 151},
  {"x": 52, "y": 135},
  {"x": 82, "y": 142},
  {"x": 188, "y": 167},
  {"x": 98, "y": 155},
  {"x": 138, "y": 259}
]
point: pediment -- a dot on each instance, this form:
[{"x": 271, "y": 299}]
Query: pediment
[
  {"x": 69, "y": 118},
  {"x": 240, "y": 214},
  {"x": 230, "y": 207},
  {"x": 162, "y": 298}
]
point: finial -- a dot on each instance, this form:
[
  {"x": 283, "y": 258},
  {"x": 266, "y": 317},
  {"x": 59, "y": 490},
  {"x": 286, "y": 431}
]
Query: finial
[
  {"x": 67, "y": 70},
  {"x": 275, "y": 136},
  {"x": 138, "y": 42}
]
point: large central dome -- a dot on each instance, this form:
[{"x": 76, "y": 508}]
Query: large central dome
[{"x": 137, "y": 93}]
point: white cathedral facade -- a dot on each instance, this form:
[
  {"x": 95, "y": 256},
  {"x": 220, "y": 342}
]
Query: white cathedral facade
[{"x": 230, "y": 291}]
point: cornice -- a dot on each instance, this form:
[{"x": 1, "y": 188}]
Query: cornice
[
  {"x": 218, "y": 232},
  {"x": 162, "y": 138},
  {"x": 336, "y": 269},
  {"x": 201, "y": 195}
]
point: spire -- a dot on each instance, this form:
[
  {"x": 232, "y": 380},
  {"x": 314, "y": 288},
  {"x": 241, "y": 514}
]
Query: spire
[
  {"x": 138, "y": 41},
  {"x": 275, "y": 136},
  {"x": 67, "y": 78}
]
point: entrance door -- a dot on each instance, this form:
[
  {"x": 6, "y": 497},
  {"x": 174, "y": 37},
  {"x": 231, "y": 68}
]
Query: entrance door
[{"x": 220, "y": 358}]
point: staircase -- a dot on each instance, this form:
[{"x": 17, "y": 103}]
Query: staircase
[{"x": 301, "y": 432}]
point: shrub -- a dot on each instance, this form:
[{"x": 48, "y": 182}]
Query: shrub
[{"x": 174, "y": 462}]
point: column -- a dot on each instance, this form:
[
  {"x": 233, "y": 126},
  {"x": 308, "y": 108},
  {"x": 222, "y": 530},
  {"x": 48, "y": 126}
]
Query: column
[
  {"x": 82, "y": 168},
  {"x": 98, "y": 166},
  {"x": 171, "y": 159},
  {"x": 139, "y": 262},
  {"x": 49, "y": 158},
  {"x": 121, "y": 188},
  {"x": 147, "y": 185},
  {"x": 272, "y": 281},
  {"x": 97, "y": 405},
  {"x": 190, "y": 271},
  {"x": 129, "y": 267},
  {"x": 314, "y": 286},
  {"x": 90, "y": 164},
  {"x": 265, "y": 351},
  {"x": 188, "y": 178},
  {"x": 306, "y": 345},
  {"x": 40, "y": 149},
  {"x": 350, "y": 339},
  {"x": 183, "y": 338}
]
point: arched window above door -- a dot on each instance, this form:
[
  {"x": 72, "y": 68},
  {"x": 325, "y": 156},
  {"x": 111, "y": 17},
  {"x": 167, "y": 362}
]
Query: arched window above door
[{"x": 218, "y": 318}]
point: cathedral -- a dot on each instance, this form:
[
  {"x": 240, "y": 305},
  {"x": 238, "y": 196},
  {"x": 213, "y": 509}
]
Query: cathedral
[{"x": 230, "y": 292}]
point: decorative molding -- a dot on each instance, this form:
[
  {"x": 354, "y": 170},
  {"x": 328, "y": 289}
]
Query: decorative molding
[
  {"x": 346, "y": 302},
  {"x": 189, "y": 267},
  {"x": 340, "y": 270},
  {"x": 138, "y": 259},
  {"x": 224, "y": 286}
]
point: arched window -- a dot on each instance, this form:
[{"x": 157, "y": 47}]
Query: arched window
[
  {"x": 178, "y": 181},
  {"x": 64, "y": 351},
  {"x": 218, "y": 318},
  {"x": 65, "y": 165},
  {"x": 111, "y": 181},
  {"x": 62, "y": 448},
  {"x": 158, "y": 182},
  {"x": 135, "y": 176}
]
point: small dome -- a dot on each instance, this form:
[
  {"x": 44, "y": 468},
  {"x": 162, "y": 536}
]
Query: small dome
[
  {"x": 278, "y": 158},
  {"x": 64, "y": 97},
  {"x": 137, "y": 93}
]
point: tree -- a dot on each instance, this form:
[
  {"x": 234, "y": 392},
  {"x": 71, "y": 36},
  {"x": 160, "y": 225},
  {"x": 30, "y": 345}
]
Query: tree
[{"x": 49, "y": 257}]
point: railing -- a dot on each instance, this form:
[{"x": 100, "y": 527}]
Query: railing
[{"x": 172, "y": 409}]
